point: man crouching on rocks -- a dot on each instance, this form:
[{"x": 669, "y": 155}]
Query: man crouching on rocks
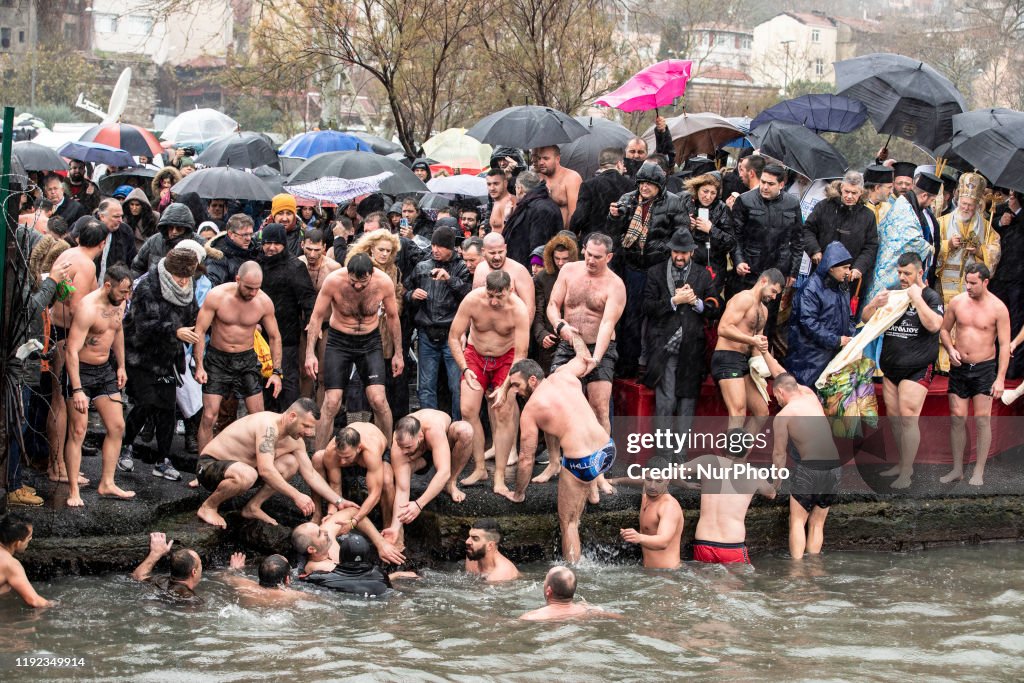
[{"x": 263, "y": 446}]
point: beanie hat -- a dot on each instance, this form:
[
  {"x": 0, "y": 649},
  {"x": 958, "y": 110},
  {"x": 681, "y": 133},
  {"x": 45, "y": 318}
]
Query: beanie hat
[
  {"x": 274, "y": 234},
  {"x": 177, "y": 214},
  {"x": 208, "y": 224},
  {"x": 443, "y": 237},
  {"x": 200, "y": 250},
  {"x": 122, "y": 191},
  {"x": 186, "y": 161},
  {"x": 283, "y": 202}
]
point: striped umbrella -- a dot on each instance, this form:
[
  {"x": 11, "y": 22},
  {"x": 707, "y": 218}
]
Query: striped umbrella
[{"x": 135, "y": 140}]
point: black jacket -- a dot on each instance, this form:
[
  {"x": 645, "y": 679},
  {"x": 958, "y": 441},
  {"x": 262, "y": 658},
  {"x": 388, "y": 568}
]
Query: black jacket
[
  {"x": 156, "y": 247},
  {"x": 663, "y": 321},
  {"x": 853, "y": 226},
  {"x": 286, "y": 281},
  {"x": 225, "y": 269},
  {"x": 443, "y": 297},
  {"x": 543, "y": 283},
  {"x": 712, "y": 248},
  {"x": 769, "y": 234},
  {"x": 534, "y": 221},
  {"x": 122, "y": 244},
  {"x": 668, "y": 215},
  {"x": 149, "y": 329},
  {"x": 596, "y": 194},
  {"x": 408, "y": 256},
  {"x": 70, "y": 210}
]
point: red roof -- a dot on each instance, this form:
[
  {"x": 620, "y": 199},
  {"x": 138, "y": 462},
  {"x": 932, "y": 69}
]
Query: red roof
[
  {"x": 723, "y": 73},
  {"x": 809, "y": 19}
]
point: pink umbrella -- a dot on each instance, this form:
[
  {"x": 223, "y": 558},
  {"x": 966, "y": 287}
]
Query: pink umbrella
[{"x": 656, "y": 86}]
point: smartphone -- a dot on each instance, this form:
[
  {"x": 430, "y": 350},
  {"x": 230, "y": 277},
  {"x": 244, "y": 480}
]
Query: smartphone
[
  {"x": 404, "y": 223},
  {"x": 703, "y": 214}
]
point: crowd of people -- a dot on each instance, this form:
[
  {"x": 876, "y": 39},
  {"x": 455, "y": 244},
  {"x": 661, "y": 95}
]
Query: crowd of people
[{"x": 153, "y": 308}]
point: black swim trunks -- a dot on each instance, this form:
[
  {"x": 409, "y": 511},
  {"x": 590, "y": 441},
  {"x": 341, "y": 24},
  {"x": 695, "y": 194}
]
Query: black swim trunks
[
  {"x": 97, "y": 380},
  {"x": 211, "y": 472},
  {"x": 232, "y": 373},
  {"x": 729, "y": 365},
  {"x": 364, "y": 351},
  {"x": 971, "y": 379},
  {"x": 604, "y": 372},
  {"x": 922, "y": 376},
  {"x": 816, "y": 483}
]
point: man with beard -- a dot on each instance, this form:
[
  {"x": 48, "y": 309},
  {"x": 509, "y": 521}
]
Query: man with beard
[
  {"x": 286, "y": 281},
  {"x": 79, "y": 187},
  {"x": 482, "y": 555},
  {"x": 96, "y": 331},
  {"x": 636, "y": 154},
  {"x": 66, "y": 207},
  {"x": 903, "y": 178},
  {"x": 469, "y": 220},
  {"x": 563, "y": 184},
  {"x": 283, "y": 210},
  {"x": 360, "y": 448},
  {"x": 597, "y": 193},
  {"x": 231, "y": 313},
  {"x": 501, "y": 200},
  {"x": 878, "y": 185},
  {"x": 661, "y": 520}
]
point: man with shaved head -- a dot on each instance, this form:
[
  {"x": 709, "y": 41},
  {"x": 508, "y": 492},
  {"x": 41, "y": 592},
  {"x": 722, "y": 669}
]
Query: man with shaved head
[
  {"x": 495, "y": 257},
  {"x": 563, "y": 183}
]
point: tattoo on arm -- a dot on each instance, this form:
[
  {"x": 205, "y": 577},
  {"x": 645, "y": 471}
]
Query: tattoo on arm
[{"x": 269, "y": 441}]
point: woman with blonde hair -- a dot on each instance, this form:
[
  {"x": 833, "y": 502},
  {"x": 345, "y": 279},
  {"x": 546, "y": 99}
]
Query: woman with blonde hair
[{"x": 710, "y": 225}]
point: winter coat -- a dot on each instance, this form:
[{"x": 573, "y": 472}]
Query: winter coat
[
  {"x": 667, "y": 216},
  {"x": 531, "y": 224},
  {"x": 149, "y": 329},
  {"x": 409, "y": 255},
  {"x": 821, "y": 315},
  {"x": 443, "y": 297},
  {"x": 854, "y": 226},
  {"x": 89, "y": 201},
  {"x": 663, "y": 321},
  {"x": 157, "y": 246},
  {"x": 145, "y": 224},
  {"x": 769, "y": 234},
  {"x": 286, "y": 281},
  {"x": 225, "y": 269},
  {"x": 596, "y": 194},
  {"x": 30, "y": 304},
  {"x": 70, "y": 210},
  {"x": 165, "y": 172},
  {"x": 543, "y": 283},
  {"x": 712, "y": 248}
]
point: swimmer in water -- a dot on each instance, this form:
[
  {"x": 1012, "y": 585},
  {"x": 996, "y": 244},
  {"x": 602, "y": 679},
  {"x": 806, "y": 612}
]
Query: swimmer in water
[
  {"x": 186, "y": 569},
  {"x": 559, "y": 589},
  {"x": 482, "y": 555},
  {"x": 15, "y": 535},
  {"x": 661, "y": 522}
]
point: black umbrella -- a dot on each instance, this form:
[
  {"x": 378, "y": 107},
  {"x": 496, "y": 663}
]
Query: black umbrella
[
  {"x": 34, "y": 157},
  {"x": 239, "y": 150},
  {"x": 992, "y": 140},
  {"x": 271, "y": 177},
  {"x": 581, "y": 155},
  {"x": 527, "y": 127},
  {"x": 432, "y": 200},
  {"x": 224, "y": 182},
  {"x": 799, "y": 149},
  {"x": 378, "y": 144},
  {"x": 355, "y": 165},
  {"x": 905, "y": 97},
  {"x": 138, "y": 176}
]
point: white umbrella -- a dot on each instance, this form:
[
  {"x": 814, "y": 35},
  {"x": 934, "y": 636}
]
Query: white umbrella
[
  {"x": 456, "y": 149},
  {"x": 468, "y": 185},
  {"x": 199, "y": 125},
  {"x": 338, "y": 190}
]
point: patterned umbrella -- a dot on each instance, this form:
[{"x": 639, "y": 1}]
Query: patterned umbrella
[{"x": 135, "y": 140}]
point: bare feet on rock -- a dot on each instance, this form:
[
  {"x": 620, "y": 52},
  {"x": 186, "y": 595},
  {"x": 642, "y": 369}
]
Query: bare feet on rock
[
  {"x": 76, "y": 502},
  {"x": 977, "y": 479},
  {"x": 252, "y": 512},
  {"x": 902, "y": 482},
  {"x": 954, "y": 475},
  {"x": 114, "y": 492},
  {"x": 457, "y": 496},
  {"x": 210, "y": 516},
  {"x": 891, "y": 472},
  {"x": 475, "y": 478},
  {"x": 549, "y": 473}
]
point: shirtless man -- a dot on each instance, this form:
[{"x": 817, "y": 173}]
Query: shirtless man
[
  {"x": 975, "y": 374},
  {"x": 231, "y": 313},
  {"x": 353, "y": 296},
  {"x": 15, "y": 535},
  {"x": 424, "y": 438},
  {"x": 186, "y": 569},
  {"x": 499, "y": 336},
  {"x": 587, "y": 300},
  {"x": 502, "y": 200},
  {"x": 262, "y": 446},
  {"x": 661, "y": 521},
  {"x": 495, "y": 252},
  {"x": 361, "y": 445},
  {"x": 559, "y": 590},
  {"x": 273, "y": 588},
  {"x": 78, "y": 262},
  {"x": 482, "y": 555},
  {"x": 320, "y": 542},
  {"x": 96, "y": 331},
  {"x": 740, "y": 335},
  {"x": 319, "y": 266},
  {"x": 563, "y": 183},
  {"x": 801, "y": 426},
  {"x": 557, "y": 406}
]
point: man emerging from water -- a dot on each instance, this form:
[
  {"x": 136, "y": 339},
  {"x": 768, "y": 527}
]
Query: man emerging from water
[
  {"x": 482, "y": 555},
  {"x": 661, "y": 521},
  {"x": 186, "y": 568},
  {"x": 559, "y": 590}
]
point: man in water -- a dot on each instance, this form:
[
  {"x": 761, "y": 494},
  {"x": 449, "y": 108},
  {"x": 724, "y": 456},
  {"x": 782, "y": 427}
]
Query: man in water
[
  {"x": 587, "y": 301},
  {"x": 263, "y": 446},
  {"x": 353, "y": 297},
  {"x": 15, "y": 535},
  {"x": 423, "y": 439},
  {"x": 345, "y": 562},
  {"x": 741, "y": 334},
  {"x": 96, "y": 332},
  {"x": 498, "y": 330},
  {"x": 980, "y": 319},
  {"x": 359, "y": 445},
  {"x": 274, "y": 586},
  {"x": 557, "y": 406},
  {"x": 186, "y": 568},
  {"x": 230, "y": 365},
  {"x": 661, "y": 521},
  {"x": 482, "y": 555},
  {"x": 559, "y": 590}
]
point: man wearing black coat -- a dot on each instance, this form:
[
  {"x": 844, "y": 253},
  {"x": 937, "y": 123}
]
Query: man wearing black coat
[
  {"x": 678, "y": 297},
  {"x": 286, "y": 281},
  {"x": 64, "y": 206},
  {"x": 534, "y": 221},
  {"x": 120, "y": 243},
  {"x": 596, "y": 193},
  {"x": 237, "y": 246}
]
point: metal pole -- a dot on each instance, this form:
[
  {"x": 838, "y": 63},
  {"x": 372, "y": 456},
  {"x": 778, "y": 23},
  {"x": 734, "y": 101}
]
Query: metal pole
[
  {"x": 5, "y": 195},
  {"x": 34, "y": 31}
]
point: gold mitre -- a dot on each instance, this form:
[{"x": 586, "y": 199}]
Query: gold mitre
[{"x": 972, "y": 186}]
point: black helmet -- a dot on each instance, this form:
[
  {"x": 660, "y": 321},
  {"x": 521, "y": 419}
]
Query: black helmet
[
  {"x": 651, "y": 172},
  {"x": 354, "y": 551}
]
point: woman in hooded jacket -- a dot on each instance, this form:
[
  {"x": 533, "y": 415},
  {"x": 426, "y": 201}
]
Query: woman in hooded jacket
[
  {"x": 163, "y": 181},
  {"x": 140, "y": 216}
]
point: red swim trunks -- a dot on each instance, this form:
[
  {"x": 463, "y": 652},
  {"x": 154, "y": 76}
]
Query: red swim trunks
[
  {"x": 720, "y": 553},
  {"x": 490, "y": 371}
]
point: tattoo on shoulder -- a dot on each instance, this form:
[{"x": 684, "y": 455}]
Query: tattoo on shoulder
[{"x": 269, "y": 441}]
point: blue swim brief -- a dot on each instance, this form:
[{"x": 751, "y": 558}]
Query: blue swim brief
[{"x": 590, "y": 467}]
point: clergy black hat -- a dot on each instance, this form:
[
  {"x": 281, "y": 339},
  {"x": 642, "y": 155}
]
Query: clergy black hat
[
  {"x": 928, "y": 182},
  {"x": 878, "y": 175},
  {"x": 904, "y": 169}
]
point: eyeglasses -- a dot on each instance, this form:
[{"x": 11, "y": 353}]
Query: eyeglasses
[{"x": 243, "y": 235}]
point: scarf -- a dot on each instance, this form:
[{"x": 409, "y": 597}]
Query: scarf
[
  {"x": 172, "y": 293},
  {"x": 638, "y": 224},
  {"x": 674, "y": 275}
]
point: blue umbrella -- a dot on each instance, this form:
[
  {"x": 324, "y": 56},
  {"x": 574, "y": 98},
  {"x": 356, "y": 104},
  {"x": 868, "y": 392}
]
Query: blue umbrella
[
  {"x": 316, "y": 142},
  {"x": 820, "y": 113},
  {"x": 97, "y": 153},
  {"x": 743, "y": 123}
]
